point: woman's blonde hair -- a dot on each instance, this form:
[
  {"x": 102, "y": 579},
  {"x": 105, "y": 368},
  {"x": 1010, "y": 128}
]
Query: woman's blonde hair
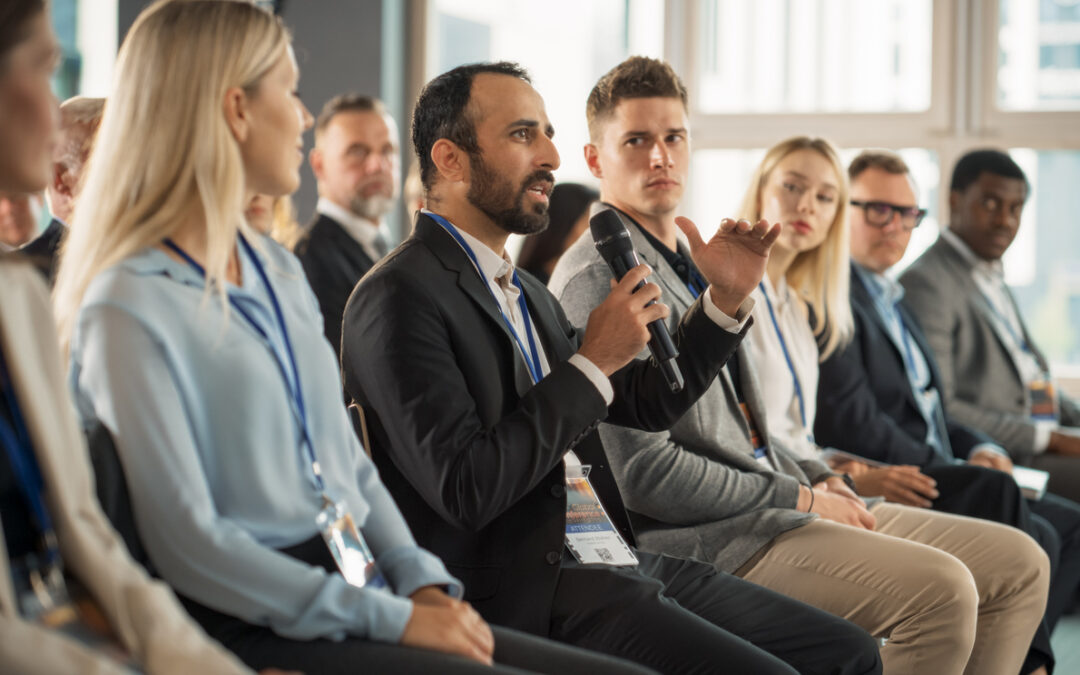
[
  {"x": 820, "y": 276},
  {"x": 164, "y": 154},
  {"x": 283, "y": 226}
]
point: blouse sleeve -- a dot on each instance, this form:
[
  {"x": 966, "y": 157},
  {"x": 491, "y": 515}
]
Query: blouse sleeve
[{"x": 121, "y": 370}]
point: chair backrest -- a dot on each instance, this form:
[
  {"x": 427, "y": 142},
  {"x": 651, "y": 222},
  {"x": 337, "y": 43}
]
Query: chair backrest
[
  {"x": 112, "y": 491},
  {"x": 359, "y": 422}
]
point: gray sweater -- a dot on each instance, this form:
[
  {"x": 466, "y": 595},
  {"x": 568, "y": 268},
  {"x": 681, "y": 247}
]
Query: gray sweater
[{"x": 695, "y": 490}]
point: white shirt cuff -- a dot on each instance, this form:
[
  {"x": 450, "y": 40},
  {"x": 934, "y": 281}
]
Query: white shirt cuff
[
  {"x": 731, "y": 325},
  {"x": 595, "y": 375},
  {"x": 1043, "y": 428},
  {"x": 988, "y": 447}
]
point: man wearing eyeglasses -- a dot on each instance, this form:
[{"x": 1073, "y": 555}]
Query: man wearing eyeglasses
[
  {"x": 881, "y": 398},
  {"x": 994, "y": 378}
]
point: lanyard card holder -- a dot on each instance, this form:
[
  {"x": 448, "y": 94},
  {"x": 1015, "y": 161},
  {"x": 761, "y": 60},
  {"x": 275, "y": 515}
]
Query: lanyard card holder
[
  {"x": 41, "y": 591},
  {"x": 1043, "y": 400},
  {"x": 347, "y": 545},
  {"x": 590, "y": 534}
]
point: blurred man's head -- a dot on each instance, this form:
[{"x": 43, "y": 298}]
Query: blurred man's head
[
  {"x": 885, "y": 209},
  {"x": 79, "y": 120},
  {"x": 357, "y": 156},
  {"x": 986, "y": 197},
  {"x": 639, "y": 137}
]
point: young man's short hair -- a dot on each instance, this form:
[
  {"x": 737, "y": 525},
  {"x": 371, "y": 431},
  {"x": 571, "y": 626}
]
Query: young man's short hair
[
  {"x": 884, "y": 160},
  {"x": 976, "y": 162},
  {"x": 441, "y": 111},
  {"x": 636, "y": 77}
]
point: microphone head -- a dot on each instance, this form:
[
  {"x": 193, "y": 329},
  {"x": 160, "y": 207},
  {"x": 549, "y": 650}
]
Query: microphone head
[{"x": 609, "y": 232}]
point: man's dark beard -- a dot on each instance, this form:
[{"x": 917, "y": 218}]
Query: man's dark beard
[{"x": 498, "y": 200}]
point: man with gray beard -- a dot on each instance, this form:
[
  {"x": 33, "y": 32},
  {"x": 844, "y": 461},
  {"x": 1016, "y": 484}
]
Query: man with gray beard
[{"x": 357, "y": 163}]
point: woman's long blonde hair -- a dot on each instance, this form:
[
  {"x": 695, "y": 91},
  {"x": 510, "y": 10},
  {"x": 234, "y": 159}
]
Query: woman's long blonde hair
[
  {"x": 820, "y": 276},
  {"x": 165, "y": 155}
]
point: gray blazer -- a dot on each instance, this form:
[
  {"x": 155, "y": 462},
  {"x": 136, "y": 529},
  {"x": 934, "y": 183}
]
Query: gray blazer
[
  {"x": 695, "y": 490},
  {"x": 979, "y": 382}
]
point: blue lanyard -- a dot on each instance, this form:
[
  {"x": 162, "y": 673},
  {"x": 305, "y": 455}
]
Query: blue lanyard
[
  {"x": 534, "y": 362},
  {"x": 1019, "y": 339},
  {"x": 292, "y": 373},
  {"x": 787, "y": 356},
  {"x": 16, "y": 441}
]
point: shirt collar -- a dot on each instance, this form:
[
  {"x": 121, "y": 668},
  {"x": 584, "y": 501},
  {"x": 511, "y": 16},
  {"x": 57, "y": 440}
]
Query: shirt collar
[
  {"x": 360, "y": 229},
  {"x": 880, "y": 286},
  {"x": 152, "y": 261},
  {"x": 779, "y": 295},
  {"x": 994, "y": 268},
  {"x": 679, "y": 261},
  {"x": 492, "y": 265}
]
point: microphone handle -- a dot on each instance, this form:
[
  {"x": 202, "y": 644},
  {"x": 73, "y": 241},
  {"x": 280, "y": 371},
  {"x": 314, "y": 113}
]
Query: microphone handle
[{"x": 660, "y": 344}]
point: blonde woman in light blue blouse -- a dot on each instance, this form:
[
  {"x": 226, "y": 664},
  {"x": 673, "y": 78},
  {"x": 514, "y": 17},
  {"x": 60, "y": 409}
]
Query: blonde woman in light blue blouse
[{"x": 198, "y": 344}]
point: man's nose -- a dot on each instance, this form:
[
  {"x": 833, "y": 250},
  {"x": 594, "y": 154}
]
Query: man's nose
[{"x": 660, "y": 156}]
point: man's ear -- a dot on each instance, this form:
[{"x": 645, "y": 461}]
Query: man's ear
[
  {"x": 315, "y": 159},
  {"x": 592, "y": 160},
  {"x": 60, "y": 180},
  {"x": 450, "y": 160},
  {"x": 236, "y": 113},
  {"x": 955, "y": 198}
]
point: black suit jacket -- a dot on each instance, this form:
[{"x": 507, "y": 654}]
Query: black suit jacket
[
  {"x": 44, "y": 251},
  {"x": 333, "y": 262},
  {"x": 470, "y": 448},
  {"x": 866, "y": 405}
]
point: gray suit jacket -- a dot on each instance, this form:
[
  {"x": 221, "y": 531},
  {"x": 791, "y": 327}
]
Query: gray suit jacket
[
  {"x": 979, "y": 382},
  {"x": 694, "y": 490}
]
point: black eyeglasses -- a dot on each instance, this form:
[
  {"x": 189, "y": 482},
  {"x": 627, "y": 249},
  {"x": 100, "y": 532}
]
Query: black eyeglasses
[{"x": 880, "y": 214}]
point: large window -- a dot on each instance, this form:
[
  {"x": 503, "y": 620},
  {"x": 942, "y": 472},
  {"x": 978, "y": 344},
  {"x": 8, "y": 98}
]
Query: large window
[
  {"x": 1038, "y": 66},
  {"x": 566, "y": 46},
  {"x": 785, "y": 56}
]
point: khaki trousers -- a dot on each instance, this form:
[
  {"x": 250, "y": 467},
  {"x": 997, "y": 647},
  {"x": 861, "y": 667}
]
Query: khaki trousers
[{"x": 952, "y": 594}]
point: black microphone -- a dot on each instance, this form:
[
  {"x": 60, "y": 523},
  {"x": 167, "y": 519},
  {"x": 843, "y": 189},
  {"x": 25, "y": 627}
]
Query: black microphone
[{"x": 613, "y": 242}]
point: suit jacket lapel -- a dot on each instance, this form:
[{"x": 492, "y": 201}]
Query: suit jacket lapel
[
  {"x": 1027, "y": 336},
  {"x": 663, "y": 275},
  {"x": 450, "y": 253},
  {"x": 962, "y": 270},
  {"x": 915, "y": 331},
  {"x": 348, "y": 246},
  {"x": 860, "y": 296}
]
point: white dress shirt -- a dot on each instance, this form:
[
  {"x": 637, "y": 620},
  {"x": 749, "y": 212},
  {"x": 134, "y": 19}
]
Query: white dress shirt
[
  {"x": 495, "y": 266},
  {"x": 366, "y": 233},
  {"x": 787, "y": 421}
]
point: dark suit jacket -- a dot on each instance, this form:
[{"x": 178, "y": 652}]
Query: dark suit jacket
[
  {"x": 469, "y": 447},
  {"x": 333, "y": 262},
  {"x": 44, "y": 250},
  {"x": 865, "y": 402}
]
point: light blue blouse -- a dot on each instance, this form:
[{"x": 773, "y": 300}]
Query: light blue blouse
[{"x": 210, "y": 442}]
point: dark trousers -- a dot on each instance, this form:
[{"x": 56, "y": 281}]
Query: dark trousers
[
  {"x": 682, "y": 616},
  {"x": 1053, "y": 522},
  {"x": 515, "y": 652}
]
